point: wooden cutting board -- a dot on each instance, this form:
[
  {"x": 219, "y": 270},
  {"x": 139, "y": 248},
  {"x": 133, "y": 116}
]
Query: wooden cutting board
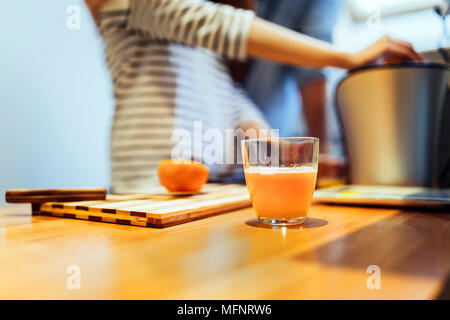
[{"x": 158, "y": 209}]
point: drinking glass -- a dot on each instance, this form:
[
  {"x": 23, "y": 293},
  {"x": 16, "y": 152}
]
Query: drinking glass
[{"x": 281, "y": 176}]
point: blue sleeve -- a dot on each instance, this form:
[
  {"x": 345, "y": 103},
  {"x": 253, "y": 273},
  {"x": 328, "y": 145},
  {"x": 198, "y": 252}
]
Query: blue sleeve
[{"x": 318, "y": 22}]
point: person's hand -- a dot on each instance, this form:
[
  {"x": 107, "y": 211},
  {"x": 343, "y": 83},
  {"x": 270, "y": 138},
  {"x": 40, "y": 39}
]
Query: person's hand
[
  {"x": 254, "y": 129},
  {"x": 386, "y": 49}
]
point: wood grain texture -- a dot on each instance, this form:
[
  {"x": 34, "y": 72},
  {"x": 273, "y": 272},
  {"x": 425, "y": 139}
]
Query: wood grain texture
[
  {"x": 46, "y": 195},
  {"x": 51, "y": 192},
  {"x": 158, "y": 209},
  {"x": 228, "y": 256}
]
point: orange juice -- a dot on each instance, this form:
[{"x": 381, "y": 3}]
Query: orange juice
[{"x": 281, "y": 193}]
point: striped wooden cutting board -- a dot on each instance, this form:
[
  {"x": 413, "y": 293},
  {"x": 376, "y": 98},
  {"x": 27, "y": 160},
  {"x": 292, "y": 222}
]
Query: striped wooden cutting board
[{"x": 157, "y": 209}]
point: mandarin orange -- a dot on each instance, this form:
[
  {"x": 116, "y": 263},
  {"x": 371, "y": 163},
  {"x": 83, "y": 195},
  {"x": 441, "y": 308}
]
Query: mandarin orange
[{"x": 182, "y": 175}]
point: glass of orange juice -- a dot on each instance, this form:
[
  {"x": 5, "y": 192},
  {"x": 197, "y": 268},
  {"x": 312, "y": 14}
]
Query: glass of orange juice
[{"x": 281, "y": 177}]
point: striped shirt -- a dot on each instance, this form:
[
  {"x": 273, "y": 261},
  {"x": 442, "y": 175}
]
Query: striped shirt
[{"x": 166, "y": 60}]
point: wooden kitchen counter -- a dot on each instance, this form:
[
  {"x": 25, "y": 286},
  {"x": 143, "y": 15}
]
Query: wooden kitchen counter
[{"x": 227, "y": 256}]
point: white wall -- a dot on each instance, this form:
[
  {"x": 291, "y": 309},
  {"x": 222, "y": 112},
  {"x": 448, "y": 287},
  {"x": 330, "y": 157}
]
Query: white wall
[
  {"x": 422, "y": 28},
  {"x": 55, "y": 98}
]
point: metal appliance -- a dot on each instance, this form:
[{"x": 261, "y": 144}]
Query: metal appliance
[{"x": 391, "y": 118}]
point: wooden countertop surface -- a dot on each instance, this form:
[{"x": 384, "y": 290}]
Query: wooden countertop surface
[{"x": 227, "y": 256}]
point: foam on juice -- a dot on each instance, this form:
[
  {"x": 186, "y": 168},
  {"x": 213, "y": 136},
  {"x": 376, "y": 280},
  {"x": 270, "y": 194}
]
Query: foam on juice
[{"x": 278, "y": 170}]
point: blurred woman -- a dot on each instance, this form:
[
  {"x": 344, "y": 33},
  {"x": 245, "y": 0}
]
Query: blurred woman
[{"x": 168, "y": 63}]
